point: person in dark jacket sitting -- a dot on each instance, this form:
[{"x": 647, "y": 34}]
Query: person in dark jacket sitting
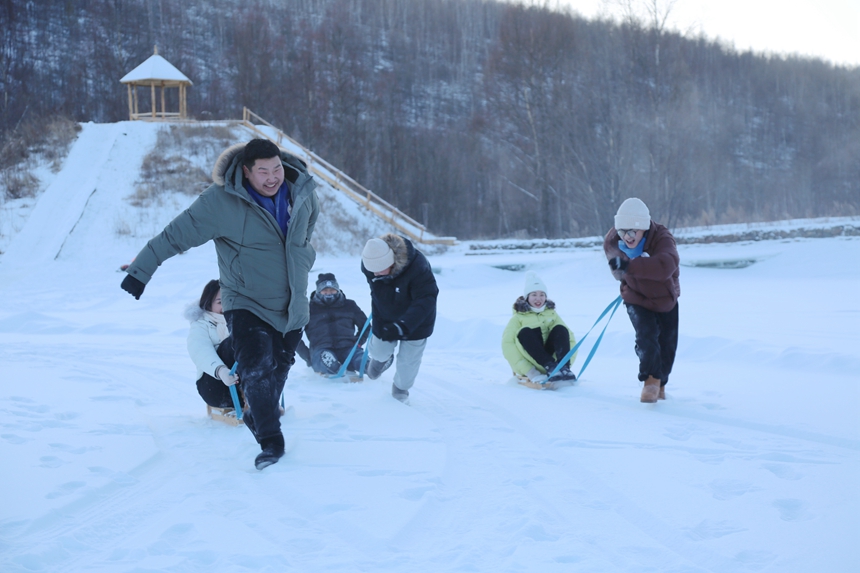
[
  {"x": 334, "y": 327},
  {"x": 403, "y": 295}
]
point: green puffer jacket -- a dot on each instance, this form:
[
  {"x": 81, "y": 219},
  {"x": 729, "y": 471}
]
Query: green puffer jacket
[
  {"x": 523, "y": 317},
  {"x": 260, "y": 270}
]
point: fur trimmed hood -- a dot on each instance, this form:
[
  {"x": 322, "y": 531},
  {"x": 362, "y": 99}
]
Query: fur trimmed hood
[
  {"x": 232, "y": 157},
  {"x": 403, "y": 251},
  {"x": 521, "y": 305},
  {"x": 193, "y": 312}
]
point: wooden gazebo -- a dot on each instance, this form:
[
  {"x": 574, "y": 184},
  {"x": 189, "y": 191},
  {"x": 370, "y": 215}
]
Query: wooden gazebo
[{"x": 156, "y": 72}]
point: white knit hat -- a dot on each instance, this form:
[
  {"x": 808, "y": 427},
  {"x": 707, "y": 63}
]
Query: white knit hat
[
  {"x": 633, "y": 214},
  {"x": 533, "y": 283},
  {"x": 377, "y": 255}
]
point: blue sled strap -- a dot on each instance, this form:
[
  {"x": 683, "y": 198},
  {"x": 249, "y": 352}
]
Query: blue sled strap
[
  {"x": 613, "y": 306},
  {"x": 346, "y": 362},
  {"x": 234, "y": 394}
]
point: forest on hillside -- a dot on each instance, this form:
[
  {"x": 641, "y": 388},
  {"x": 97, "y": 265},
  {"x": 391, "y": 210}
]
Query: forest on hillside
[{"x": 478, "y": 118}]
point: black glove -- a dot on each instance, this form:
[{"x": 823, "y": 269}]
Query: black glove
[
  {"x": 132, "y": 286},
  {"x": 391, "y": 331},
  {"x": 618, "y": 263}
]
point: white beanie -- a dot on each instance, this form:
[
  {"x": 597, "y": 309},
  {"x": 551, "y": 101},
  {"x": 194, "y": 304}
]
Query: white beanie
[
  {"x": 533, "y": 283},
  {"x": 377, "y": 255},
  {"x": 633, "y": 214}
]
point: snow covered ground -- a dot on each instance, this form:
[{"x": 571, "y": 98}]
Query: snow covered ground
[{"x": 110, "y": 464}]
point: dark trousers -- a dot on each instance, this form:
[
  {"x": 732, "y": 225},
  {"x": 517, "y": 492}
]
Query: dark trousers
[
  {"x": 265, "y": 356},
  {"x": 656, "y": 340},
  {"x": 211, "y": 389},
  {"x": 558, "y": 343}
]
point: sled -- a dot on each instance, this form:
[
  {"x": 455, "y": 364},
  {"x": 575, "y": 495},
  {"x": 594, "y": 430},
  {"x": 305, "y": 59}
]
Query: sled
[
  {"x": 228, "y": 415},
  {"x": 544, "y": 386},
  {"x": 350, "y": 376},
  {"x": 225, "y": 415}
]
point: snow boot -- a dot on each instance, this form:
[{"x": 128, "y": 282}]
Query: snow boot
[
  {"x": 375, "y": 368},
  {"x": 535, "y": 377},
  {"x": 330, "y": 360},
  {"x": 401, "y": 395},
  {"x": 650, "y": 391},
  {"x": 273, "y": 450},
  {"x": 662, "y": 394},
  {"x": 563, "y": 373}
]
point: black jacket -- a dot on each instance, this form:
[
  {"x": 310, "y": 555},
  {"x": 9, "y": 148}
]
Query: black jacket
[
  {"x": 407, "y": 296},
  {"x": 334, "y": 326}
]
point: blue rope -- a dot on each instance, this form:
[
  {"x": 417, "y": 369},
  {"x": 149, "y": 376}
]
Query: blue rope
[
  {"x": 234, "y": 394},
  {"x": 613, "y": 306},
  {"x": 346, "y": 362}
]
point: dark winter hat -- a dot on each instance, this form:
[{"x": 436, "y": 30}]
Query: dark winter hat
[
  {"x": 633, "y": 214},
  {"x": 326, "y": 280}
]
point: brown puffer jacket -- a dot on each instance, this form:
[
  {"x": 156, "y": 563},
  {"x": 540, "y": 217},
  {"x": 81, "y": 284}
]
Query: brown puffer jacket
[{"x": 652, "y": 281}]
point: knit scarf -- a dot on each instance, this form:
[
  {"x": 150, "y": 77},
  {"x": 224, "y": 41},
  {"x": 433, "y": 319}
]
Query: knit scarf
[{"x": 278, "y": 205}]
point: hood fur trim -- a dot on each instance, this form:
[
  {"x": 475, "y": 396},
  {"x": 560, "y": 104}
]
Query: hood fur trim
[
  {"x": 403, "y": 252},
  {"x": 225, "y": 160},
  {"x": 521, "y": 305},
  {"x": 193, "y": 312}
]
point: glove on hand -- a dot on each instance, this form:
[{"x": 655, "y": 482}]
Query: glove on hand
[
  {"x": 391, "y": 331},
  {"x": 618, "y": 263},
  {"x": 223, "y": 373},
  {"x": 132, "y": 286}
]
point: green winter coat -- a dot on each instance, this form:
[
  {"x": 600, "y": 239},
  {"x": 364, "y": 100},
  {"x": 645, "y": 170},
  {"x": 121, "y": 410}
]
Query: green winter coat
[
  {"x": 261, "y": 270},
  {"x": 523, "y": 317}
]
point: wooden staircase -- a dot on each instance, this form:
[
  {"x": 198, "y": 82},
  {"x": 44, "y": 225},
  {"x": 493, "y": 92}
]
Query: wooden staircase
[{"x": 321, "y": 169}]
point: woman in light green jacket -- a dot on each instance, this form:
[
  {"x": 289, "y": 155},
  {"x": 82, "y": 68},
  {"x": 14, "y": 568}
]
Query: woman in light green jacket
[{"x": 536, "y": 338}]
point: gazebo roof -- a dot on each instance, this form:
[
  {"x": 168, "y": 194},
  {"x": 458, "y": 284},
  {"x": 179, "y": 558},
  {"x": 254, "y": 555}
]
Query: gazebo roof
[{"x": 155, "y": 68}]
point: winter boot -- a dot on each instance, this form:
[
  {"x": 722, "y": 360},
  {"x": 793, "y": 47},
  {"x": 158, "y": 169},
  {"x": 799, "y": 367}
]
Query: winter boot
[
  {"x": 273, "y": 450},
  {"x": 563, "y": 373},
  {"x": 662, "y": 394},
  {"x": 330, "y": 361},
  {"x": 401, "y": 395},
  {"x": 375, "y": 368},
  {"x": 650, "y": 391},
  {"x": 535, "y": 377}
]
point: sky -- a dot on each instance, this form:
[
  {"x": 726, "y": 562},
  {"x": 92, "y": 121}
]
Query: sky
[{"x": 829, "y": 29}]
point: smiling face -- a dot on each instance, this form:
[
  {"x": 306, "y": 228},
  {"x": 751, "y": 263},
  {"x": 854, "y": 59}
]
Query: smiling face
[
  {"x": 631, "y": 237},
  {"x": 537, "y": 298},
  {"x": 266, "y": 176}
]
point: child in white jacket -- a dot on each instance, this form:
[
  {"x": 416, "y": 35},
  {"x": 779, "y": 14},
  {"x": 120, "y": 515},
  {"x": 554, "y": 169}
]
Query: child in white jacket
[{"x": 211, "y": 348}]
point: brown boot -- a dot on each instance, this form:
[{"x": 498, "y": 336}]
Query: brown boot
[
  {"x": 651, "y": 390},
  {"x": 662, "y": 394}
]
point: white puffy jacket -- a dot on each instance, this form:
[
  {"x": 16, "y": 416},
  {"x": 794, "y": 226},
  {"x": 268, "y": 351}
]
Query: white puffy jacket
[{"x": 206, "y": 333}]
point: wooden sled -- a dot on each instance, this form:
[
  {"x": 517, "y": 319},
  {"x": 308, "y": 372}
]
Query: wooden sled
[
  {"x": 350, "y": 376},
  {"x": 545, "y": 386},
  {"x": 225, "y": 415},
  {"x": 228, "y": 415}
]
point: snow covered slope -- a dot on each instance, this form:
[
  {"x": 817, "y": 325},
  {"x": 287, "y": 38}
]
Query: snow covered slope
[{"x": 750, "y": 465}]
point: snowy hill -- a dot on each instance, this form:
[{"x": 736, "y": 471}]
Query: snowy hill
[{"x": 110, "y": 463}]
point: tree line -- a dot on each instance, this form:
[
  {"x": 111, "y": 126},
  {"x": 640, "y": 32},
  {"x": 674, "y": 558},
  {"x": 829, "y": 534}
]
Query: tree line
[{"x": 481, "y": 119}]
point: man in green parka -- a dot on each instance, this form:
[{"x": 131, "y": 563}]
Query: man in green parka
[{"x": 260, "y": 211}]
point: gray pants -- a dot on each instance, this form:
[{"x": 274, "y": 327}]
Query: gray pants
[{"x": 408, "y": 358}]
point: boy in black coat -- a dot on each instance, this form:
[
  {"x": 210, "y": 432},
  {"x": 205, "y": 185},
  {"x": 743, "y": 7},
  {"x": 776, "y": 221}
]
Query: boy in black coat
[
  {"x": 334, "y": 326},
  {"x": 403, "y": 295}
]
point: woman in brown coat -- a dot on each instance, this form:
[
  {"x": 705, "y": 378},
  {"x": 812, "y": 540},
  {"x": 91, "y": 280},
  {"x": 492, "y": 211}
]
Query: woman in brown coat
[{"x": 643, "y": 257}]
